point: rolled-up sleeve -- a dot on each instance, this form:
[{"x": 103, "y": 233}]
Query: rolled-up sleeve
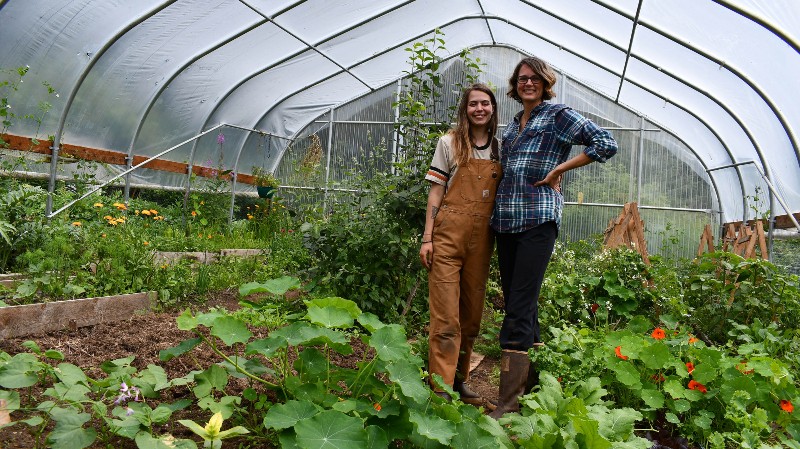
[{"x": 579, "y": 130}]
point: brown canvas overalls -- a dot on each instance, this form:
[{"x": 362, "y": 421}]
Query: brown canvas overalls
[{"x": 462, "y": 247}]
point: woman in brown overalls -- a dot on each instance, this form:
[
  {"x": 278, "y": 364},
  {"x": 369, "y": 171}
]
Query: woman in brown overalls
[{"x": 457, "y": 242}]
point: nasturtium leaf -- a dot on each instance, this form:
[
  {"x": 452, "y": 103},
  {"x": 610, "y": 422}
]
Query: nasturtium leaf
[
  {"x": 278, "y": 286},
  {"x": 674, "y": 388},
  {"x": 207, "y": 319},
  {"x": 377, "y": 438},
  {"x": 673, "y": 418},
  {"x": 68, "y": 432},
  {"x": 330, "y": 315},
  {"x": 390, "y": 343},
  {"x": 409, "y": 379},
  {"x": 311, "y": 364},
  {"x": 653, "y": 398},
  {"x": 284, "y": 416},
  {"x": 628, "y": 375},
  {"x": 307, "y": 334},
  {"x": 231, "y": 330},
  {"x": 267, "y": 347},
  {"x": 703, "y": 422},
  {"x": 742, "y": 383},
  {"x": 186, "y": 321},
  {"x": 655, "y": 356},
  {"x": 704, "y": 373},
  {"x": 432, "y": 427},
  {"x": 336, "y": 302},
  {"x": 682, "y": 405},
  {"x": 165, "y": 355},
  {"x": 370, "y": 321},
  {"x": 331, "y": 429}
]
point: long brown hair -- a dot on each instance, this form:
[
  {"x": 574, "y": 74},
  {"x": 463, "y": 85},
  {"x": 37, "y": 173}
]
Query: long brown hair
[
  {"x": 540, "y": 68},
  {"x": 462, "y": 138}
]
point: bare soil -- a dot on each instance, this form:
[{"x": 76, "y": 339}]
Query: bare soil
[{"x": 143, "y": 336}]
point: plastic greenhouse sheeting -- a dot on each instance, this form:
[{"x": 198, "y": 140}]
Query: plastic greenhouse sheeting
[{"x": 140, "y": 77}]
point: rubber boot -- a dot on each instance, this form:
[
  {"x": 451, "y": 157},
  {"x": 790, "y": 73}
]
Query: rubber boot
[
  {"x": 514, "y": 368},
  {"x": 467, "y": 395}
]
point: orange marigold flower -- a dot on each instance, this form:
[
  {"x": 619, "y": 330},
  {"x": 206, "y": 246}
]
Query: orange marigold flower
[
  {"x": 787, "y": 406},
  {"x": 104, "y": 236},
  {"x": 194, "y": 213},
  {"x": 658, "y": 334},
  {"x": 153, "y": 211},
  {"x": 695, "y": 385},
  {"x": 377, "y": 406},
  {"x": 98, "y": 204},
  {"x": 145, "y": 212},
  {"x": 76, "y": 223},
  {"x": 689, "y": 367},
  {"x": 692, "y": 340},
  {"x": 145, "y": 243},
  {"x": 618, "y": 352}
]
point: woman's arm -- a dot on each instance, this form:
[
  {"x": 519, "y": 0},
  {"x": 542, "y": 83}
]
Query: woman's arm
[{"x": 434, "y": 202}]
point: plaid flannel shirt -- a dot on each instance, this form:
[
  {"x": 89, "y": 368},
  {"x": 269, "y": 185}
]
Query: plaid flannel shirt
[{"x": 528, "y": 156}]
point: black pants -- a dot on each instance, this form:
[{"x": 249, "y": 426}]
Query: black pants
[{"x": 523, "y": 259}]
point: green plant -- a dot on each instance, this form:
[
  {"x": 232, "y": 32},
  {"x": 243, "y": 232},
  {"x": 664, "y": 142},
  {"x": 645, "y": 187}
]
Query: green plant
[{"x": 263, "y": 178}]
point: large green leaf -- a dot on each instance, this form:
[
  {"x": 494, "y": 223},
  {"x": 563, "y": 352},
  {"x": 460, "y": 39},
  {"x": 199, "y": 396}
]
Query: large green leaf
[
  {"x": 307, "y": 334},
  {"x": 214, "y": 377},
  {"x": 627, "y": 374},
  {"x": 377, "y": 438},
  {"x": 330, "y": 317},
  {"x": 20, "y": 371},
  {"x": 267, "y": 347},
  {"x": 331, "y": 429},
  {"x": 408, "y": 378},
  {"x": 470, "y": 434},
  {"x": 165, "y": 355},
  {"x": 277, "y": 286},
  {"x": 146, "y": 441},
  {"x": 336, "y": 302},
  {"x": 231, "y": 330},
  {"x": 284, "y": 416},
  {"x": 312, "y": 365},
  {"x": 705, "y": 372},
  {"x": 68, "y": 432},
  {"x": 655, "y": 356},
  {"x": 390, "y": 343},
  {"x": 653, "y": 398},
  {"x": 370, "y": 321},
  {"x": 432, "y": 427},
  {"x": 186, "y": 321},
  {"x": 616, "y": 424}
]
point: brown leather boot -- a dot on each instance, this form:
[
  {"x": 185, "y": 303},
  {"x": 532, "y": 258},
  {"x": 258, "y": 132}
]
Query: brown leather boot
[
  {"x": 467, "y": 395},
  {"x": 514, "y": 368}
]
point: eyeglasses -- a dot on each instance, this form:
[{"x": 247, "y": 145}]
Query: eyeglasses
[{"x": 523, "y": 80}]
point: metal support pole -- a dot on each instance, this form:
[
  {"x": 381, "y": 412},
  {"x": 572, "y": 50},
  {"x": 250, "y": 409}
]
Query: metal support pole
[
  {"x": 328, "y": 162},
  {"x": 641, "y": 162}
]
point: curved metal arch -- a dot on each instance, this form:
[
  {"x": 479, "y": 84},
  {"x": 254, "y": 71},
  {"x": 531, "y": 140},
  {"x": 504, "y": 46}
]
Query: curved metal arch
[
  {"x": 241, "y": 82},
  {"x": 74, "y": 92},
  {"x": 165, "y": 85},
  {"x": 488, "y": 27},
  {"x": 722, "y": 142},
  {"x": 309, "y": 46},
  {"x": 628, "y": 53},
  {"x": 763, "y": 22},
  {"x": 691, "y": 86},
  {"x": 764, "y": 97},
  {"x": 689, "y": 147}
]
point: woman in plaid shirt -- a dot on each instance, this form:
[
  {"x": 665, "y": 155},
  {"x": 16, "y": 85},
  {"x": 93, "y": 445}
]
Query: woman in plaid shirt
[{"x": 527, "y": 213}]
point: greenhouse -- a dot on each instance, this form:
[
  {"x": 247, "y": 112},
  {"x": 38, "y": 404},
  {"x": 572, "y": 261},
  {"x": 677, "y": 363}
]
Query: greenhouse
[{"x": 181, "y": 112}]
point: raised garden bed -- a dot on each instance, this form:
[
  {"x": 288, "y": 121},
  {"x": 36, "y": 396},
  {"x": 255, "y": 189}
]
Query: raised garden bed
[{"x": 17, "y": 321}]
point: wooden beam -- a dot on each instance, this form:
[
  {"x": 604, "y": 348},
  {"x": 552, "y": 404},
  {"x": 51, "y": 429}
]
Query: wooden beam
[{"x": 21, "y": 143}]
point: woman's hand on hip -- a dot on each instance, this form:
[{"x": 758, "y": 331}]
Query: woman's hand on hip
[{"x": 553, "y": 179}]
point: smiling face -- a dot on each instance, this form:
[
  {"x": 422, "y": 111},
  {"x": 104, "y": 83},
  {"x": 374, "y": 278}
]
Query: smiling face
[
  {"x": 530, "y": 86},
  {"x": 479, "y": 108}
]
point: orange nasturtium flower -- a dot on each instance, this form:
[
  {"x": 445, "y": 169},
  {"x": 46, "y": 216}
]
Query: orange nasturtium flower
[
  {"x": 194, "y": 213},
  {"x": 618, "y": 352},
  {"x": 787, "y": 406},
  {"x": 377, "y": 407},
  {"x": 658, "y": 334},
  {"x": 695, "y": 385},
  {"x": 692, "y": 340},
  {"x": 689, "y": 367}
]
